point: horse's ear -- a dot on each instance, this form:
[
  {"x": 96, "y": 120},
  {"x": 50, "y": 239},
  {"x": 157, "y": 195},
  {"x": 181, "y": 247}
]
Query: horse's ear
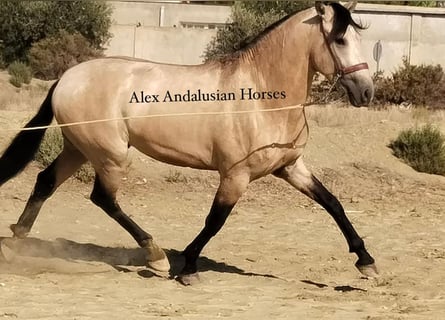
[
  {"x": 324, "y": 11},
  {"x": 351, "y": 5},
  {"x": 320, "y": 7}
]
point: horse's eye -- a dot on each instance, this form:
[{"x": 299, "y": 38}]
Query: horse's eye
[{"x": 340, "y": 41}]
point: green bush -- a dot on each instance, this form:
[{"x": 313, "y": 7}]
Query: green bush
[
  {"x": 422, "y": 148},
  {"x": 23, "y": 23},
  {"x": 248, "y": 19},
  {"x": 422, "y": 85},
  {"x": 20, "y": 73},
  {"x": 52, "y": 56},
  {"x": 51, "y": 147}
]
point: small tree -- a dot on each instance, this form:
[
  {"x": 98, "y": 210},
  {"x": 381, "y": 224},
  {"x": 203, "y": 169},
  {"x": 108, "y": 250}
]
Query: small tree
[
  {"x": 23, "y": 23},
  {"x": 52, "y": 56}
]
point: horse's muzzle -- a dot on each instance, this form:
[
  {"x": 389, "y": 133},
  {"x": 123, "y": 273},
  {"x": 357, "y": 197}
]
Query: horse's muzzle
[{"x": 359, "y": 87}]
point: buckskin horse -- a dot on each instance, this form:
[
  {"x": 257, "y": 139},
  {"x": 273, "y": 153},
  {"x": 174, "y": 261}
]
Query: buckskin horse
[{"x": 273, "y": 71}]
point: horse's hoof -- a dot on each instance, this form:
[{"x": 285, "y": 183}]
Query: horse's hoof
[
  {"x": 19, "y": 231},
  {"x": 188, "y": 279},
  {"x": 156, "y": 257},
  {"x": 369, "y": 271},
  {"x": 159, "y": 265}
]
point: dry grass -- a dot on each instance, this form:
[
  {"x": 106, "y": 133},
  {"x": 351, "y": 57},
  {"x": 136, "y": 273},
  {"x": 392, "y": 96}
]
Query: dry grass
[
  {"x": 176, "y": 176},
  {"x": 28, "y": 97},
  {"x": 337, "y": 116}
]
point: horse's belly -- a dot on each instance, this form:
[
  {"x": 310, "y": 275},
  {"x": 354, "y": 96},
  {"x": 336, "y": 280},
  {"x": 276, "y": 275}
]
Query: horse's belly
[{"x": 174, "y": 150}]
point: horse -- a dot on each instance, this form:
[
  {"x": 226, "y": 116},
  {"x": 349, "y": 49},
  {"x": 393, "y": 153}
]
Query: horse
[{"x": 267, "y": 81}]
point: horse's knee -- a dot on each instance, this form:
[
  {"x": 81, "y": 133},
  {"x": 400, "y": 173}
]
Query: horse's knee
[{"x": 46, "y": 182}]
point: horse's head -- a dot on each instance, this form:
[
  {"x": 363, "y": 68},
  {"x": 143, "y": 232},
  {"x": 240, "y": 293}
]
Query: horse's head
[{"x": 338, "y": 51}]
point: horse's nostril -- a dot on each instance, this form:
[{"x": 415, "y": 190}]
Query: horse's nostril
[{"x": 367, "y": 95}]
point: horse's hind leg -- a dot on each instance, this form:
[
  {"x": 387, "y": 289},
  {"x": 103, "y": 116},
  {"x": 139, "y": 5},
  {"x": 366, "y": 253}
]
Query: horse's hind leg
[
  {"x": 108, "y": 177},
  {"x": 47, "y": 182},
  {"x": 303, "y": 180}
]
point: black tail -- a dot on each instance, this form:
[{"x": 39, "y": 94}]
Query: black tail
[{"x": 25, "y": 144}]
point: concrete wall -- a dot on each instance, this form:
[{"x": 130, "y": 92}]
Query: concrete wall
[
  {"x": 166, "y": 14},
  {"x": 155, "y": 31},
  {"x": 162, "y": 44},
  {"x": 414, "y": 32}
]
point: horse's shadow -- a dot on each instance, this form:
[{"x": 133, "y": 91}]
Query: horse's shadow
[{"x": 120, "y": 258}]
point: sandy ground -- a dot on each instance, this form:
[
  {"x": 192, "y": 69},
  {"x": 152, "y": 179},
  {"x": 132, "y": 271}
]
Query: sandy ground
[{"x": 279, "y": 256}]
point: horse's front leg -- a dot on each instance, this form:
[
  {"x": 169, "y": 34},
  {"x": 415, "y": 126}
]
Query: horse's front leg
[
  {"x": 229, "y": 191},
  {"x": 303, "y": 180}
]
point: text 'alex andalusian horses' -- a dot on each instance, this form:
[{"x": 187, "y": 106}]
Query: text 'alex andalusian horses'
[{"x": 273, "y": 72}]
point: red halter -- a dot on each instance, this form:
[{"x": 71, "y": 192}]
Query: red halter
[{"x": 354, "y": 68}]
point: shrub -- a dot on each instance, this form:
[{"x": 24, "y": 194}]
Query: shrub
[
  {"x": 52, "y": 56},
  {"x": 22, "y": 23},
  {"x": 422, "y": 148},
  {"x": 51, "y": 147},
  {"x": 20, "y": 73},
  {"x": 422, "y": 85}
]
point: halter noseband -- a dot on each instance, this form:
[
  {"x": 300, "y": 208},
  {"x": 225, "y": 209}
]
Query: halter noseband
[{"x": 353, "y": 68}]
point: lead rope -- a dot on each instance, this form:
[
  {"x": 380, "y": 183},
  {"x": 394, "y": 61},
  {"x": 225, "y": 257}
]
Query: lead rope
[{"x": 163, "y": 115}]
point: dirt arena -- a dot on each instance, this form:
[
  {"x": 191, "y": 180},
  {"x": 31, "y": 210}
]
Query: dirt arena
[{"x": 279, "y": 256}]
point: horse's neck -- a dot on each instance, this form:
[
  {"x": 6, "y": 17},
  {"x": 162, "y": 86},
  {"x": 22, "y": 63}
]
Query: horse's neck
[{"x": 281, "y": 61}]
